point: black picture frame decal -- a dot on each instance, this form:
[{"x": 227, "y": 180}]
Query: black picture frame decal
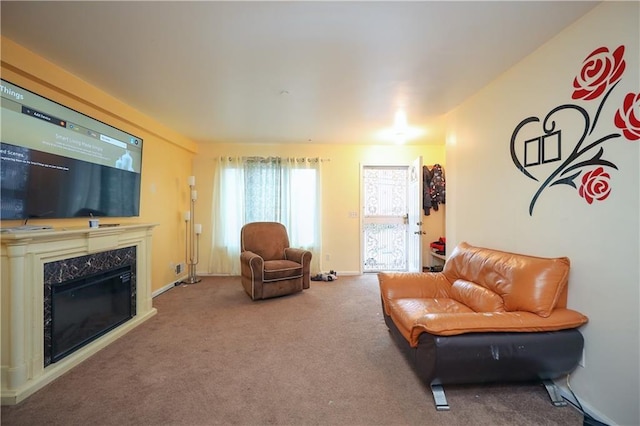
[{"x": 601, "y": 72}]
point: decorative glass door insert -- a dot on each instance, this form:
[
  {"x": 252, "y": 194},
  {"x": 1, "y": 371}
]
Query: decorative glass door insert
[{"x": 385, "y": 218}]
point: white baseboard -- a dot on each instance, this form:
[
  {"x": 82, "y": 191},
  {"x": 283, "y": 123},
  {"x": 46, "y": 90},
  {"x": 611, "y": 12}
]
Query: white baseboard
[{"x": 167, "y": 287}]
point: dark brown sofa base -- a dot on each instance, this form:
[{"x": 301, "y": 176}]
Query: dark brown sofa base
[{"x": 491, "y": 357}]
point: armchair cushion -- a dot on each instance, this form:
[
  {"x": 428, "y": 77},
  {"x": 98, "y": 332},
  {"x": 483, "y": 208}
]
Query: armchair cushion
[{"x": 281, "y": 270}]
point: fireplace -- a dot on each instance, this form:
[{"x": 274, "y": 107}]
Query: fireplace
[
  {"x": 94, "y": 277},
  {"x": 86, "y": 297},
  {"x": 86, "y": 308}
]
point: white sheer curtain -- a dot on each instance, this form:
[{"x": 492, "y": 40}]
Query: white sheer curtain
[{"x": 250, "y": 189}]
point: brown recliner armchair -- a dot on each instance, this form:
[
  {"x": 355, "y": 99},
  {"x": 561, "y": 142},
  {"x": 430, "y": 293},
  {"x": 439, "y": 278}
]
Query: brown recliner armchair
[{"x": 269, "y": 267}]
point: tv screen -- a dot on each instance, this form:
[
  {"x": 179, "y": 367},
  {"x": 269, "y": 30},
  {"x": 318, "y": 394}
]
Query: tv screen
[{"x": 58, "y": 163}]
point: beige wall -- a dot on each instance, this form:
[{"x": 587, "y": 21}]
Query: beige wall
[
  {"x": 166, "y": 161},
  {"x": 340, "y": 191},
  {"x": 489, "y": 198}
]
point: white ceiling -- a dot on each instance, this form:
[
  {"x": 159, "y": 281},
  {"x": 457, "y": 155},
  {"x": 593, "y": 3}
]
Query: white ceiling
[{"x": 288, "y": 72}]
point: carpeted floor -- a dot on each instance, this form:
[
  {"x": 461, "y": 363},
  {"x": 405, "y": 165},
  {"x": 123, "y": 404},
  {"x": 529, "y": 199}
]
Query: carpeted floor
[{"x": 321, "y": 357}]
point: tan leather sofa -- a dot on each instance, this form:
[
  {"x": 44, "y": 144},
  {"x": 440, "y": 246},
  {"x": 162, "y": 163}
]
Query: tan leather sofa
[{"x": 488, "y": 316}]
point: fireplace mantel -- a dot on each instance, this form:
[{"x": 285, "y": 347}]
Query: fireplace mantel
[{"x": 24, "y": 255}]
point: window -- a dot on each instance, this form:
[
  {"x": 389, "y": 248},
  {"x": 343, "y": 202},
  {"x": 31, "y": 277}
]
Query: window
[{"x": 252, "y": 189}]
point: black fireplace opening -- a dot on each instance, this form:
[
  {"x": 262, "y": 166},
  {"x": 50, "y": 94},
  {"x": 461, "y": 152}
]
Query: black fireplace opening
[{"x": 86, "y": 308}]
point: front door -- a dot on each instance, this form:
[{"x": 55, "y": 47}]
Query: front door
[{"x": 391, "y": 210}]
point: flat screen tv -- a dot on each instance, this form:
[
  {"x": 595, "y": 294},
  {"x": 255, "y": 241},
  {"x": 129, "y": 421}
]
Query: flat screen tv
[{"x": 58, "y": 163}]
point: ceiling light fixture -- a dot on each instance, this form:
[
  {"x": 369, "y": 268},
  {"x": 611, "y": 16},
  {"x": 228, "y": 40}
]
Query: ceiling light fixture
[{"x": 401, "y": 132}]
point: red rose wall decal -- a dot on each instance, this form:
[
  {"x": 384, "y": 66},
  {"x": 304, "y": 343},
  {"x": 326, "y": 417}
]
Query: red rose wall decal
[
  {"x": 601, "y": 72},
  {"x": 628, "y": 117},
  {"x": 595, "y": 185}
]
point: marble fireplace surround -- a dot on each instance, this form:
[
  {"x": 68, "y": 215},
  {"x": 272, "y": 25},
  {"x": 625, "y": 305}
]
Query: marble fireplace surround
[{"x": 24, "y": 369}]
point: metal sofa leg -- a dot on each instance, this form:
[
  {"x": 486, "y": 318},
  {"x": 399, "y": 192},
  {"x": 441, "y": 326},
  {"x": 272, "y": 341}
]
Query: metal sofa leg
[
  {"x": 554, "y": 393},
  {"x": 439, "y": 397}
]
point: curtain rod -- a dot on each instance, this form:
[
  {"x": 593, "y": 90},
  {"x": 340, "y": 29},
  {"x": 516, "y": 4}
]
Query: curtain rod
[{"x": 299, "y": 159}]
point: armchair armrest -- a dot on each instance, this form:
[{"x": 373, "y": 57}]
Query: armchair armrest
[
  {"x": 251, "y": 265},
  {"x": 303, "y": 257},
  {"x": 251, "y": 269},
  {"x": 251, "y": 259},
  {"x": 297, "y": 255}
]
